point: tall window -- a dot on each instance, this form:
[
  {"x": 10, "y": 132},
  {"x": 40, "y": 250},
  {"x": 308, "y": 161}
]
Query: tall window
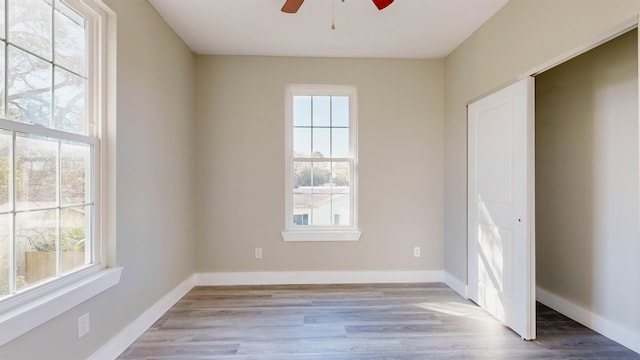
[
  {"x": 321, "y": 162},
  {"x": 48, "y": 144}
]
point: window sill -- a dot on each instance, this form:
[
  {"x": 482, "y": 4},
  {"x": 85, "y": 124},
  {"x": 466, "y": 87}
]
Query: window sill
[
  {"x": 327, "y": 235},
  {"x": 27, "y": 311}
]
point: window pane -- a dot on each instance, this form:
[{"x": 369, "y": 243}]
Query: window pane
[
  {"x": 340, "y": 111},
  {"x": 70, "y": 39},
  {"x": 75, "y": 237},
  {"x": 340, "y": 176},
  {"x": 321, "y": 110},
  {"x": 5, "y": 171},
  {"x": 75, "y": 172},
  {"x": 340, "y": 209},
  {"x": 301, "y": 175},
  {"x": 321, "y": 142},
  {"x": 301, "y": 209},
  {"x": 302, "y": 142},
  {"x": 321, "y": 175},
  {"x": 2, "y": 19},
  {"x": 302, "y": 111},
  {"x": 322, "y": 207},
  {"x": 70, "y": 98},
  {"x": 340, "y": 142},
  {"x": 29, "y": 88},
  {"x": 30, "y": 26},
  {"x": 5, "y": 252},
  {"x": 2, "y": 77},
  {"x": 36, "y": 172},
  {"x": 36, "y": 239}
]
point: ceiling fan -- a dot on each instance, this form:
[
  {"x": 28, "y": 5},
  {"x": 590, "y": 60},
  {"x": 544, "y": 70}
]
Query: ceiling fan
[{"x": 292, "y": 6}]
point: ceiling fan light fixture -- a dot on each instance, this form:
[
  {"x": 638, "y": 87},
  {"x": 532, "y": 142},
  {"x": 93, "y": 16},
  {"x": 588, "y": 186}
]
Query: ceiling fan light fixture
[
  {"x": 381, "y": 4},
  {"x": 291, "y": 6}
]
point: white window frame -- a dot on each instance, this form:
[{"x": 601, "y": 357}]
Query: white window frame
[
  {"x": 327, "y": 232},
  {"x": 27, "y": 310}
]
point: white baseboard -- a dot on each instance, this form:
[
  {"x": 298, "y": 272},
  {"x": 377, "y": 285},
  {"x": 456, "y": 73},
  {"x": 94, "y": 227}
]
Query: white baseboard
[
  {"x": 613, "y": 331},
  {"x": 128, "y": 335},
  {"x": 456, "y": 284},
  {"x": 317, "y": 277}
]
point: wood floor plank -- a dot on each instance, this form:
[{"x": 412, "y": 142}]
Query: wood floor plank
[
  {"x": 192, "y": 322},
  {"x": 349, "y": 322},
  {"x": 365, "y": 317}
]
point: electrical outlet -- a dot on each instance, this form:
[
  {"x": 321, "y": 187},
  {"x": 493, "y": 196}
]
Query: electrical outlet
[
  {"x": 258, "y": 253},
  {"x": 416, "y": 251},
  {"x": 83, "y": 325}
]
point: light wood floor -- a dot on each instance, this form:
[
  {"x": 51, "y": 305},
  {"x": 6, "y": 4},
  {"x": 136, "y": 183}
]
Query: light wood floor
[{"x": 339, "y": 322}]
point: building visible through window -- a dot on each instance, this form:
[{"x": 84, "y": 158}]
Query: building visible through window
[{"x": 301, "y": 219}]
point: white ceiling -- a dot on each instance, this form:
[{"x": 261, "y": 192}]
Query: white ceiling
[{"x": 405, "y": 29}]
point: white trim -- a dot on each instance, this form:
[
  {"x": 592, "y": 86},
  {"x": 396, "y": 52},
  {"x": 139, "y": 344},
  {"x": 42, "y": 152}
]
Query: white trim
[
  {"x": 292, "y": 235},
  {"x": 37, "y": 129},
  {"x": 119, "y": 343},
  {"x": 30, "y": 315},
  {"x": 531, "y": 209},
  {"x": 317, "y": 277},
  {"x": 53, "y": 285},
  {"x": 106, "y": 174},
  {"x": 618, "y": 333},
  {"x": 456, "y": 284}
]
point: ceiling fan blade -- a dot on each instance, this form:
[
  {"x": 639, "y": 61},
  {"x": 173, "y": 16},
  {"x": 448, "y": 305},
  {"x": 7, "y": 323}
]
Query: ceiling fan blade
[
  {"x": 292, "y": 6},
  {"x": 381, "y": 4}
]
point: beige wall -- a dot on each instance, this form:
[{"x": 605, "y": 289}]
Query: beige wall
[
  {"x": 155, "y": 211},
  {"x": 240, "y": 112},
  {"x": 238, "y": 106},
  {"x": 522, "y": 35},
  {"x": 587, "y": 217}
]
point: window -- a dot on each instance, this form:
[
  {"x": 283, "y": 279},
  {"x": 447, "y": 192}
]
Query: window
[
  {"x": 54, "y": 64},
  {"x": 321, "y": 163},
  {"x": 47, "y": 145}
]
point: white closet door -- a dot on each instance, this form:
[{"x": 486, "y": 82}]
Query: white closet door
[{"x": 501, "y": 206}]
